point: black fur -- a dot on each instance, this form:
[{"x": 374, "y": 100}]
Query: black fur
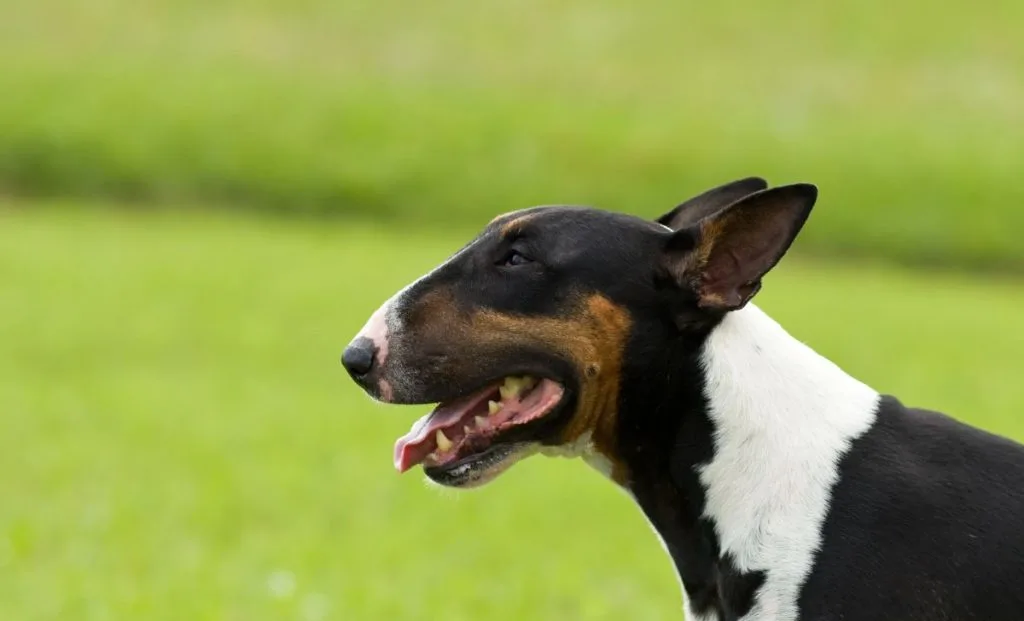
[{"x": 926, "y": 524}]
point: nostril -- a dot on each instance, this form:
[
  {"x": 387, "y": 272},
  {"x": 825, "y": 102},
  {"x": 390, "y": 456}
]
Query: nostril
[{"x": 358, "y": 359}]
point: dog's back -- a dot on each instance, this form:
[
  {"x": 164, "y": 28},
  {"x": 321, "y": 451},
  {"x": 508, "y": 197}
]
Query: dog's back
[{"x": 926, "y": 523}]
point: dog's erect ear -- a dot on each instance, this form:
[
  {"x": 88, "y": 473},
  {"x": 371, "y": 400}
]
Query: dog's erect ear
[
  {"x": 723, "y": 257},
  {"x": 703, "y": 205}
]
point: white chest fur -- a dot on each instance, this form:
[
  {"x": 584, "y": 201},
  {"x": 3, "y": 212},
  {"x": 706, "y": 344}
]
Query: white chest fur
[{"x": 784, "y": 416}]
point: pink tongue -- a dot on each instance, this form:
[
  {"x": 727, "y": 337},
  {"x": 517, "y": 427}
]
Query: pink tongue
[{"x": 413, "y": 447}]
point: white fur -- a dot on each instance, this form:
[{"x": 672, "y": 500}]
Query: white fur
[{"x": 783, "y": 416}]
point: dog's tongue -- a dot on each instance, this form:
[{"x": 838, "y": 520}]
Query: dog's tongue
[
  {"x": 413, "y": 447},
  {"x": 470, "y": 419}
]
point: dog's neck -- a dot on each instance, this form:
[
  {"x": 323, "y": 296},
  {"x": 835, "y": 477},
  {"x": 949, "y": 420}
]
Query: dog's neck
[{"x": 732, "y": 454}]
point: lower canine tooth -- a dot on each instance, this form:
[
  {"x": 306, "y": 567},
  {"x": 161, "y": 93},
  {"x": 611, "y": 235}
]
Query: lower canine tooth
[
  {"x": 480, "y": 421},
  {"x": 443, "y": 442},
  {"x": 493, "y": 407}
]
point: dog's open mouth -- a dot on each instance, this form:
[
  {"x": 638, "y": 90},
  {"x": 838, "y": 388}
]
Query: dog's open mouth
[{"x": 468, "y": 433}]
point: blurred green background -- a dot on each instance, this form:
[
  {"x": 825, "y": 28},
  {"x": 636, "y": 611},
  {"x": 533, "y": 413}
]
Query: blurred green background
[{"x": 201, "y": 202}]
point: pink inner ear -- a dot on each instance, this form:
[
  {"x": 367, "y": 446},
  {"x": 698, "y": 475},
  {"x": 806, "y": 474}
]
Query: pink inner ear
[
  {"x": 735, "y": 258},
  {"x": 742, "y": 244}
]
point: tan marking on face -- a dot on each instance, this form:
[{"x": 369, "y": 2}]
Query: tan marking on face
[
  {"x": 514, "y": 225},
  {"x": 435, "y": 309},
  {"x": 500, "y": 216},
  {"x": 593, "y": 339}
]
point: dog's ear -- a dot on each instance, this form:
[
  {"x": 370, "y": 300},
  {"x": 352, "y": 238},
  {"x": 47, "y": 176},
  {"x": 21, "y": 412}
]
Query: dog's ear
[
  {"x": 703, "y": 205},
  {"x": 722, "y": 258}
]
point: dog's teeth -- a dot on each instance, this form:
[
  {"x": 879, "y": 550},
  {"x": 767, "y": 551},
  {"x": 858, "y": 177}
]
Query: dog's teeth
[
  {"x": 511, "y": 388},
  {"x": 528, "y": 382},
  {"x": 481, "y": 422},
  {"x": 443, "y": 443},
  {"x": 466, "y": 429},
  {"x": 492, "y": 408},
  {"x": 433, "y": 456}
]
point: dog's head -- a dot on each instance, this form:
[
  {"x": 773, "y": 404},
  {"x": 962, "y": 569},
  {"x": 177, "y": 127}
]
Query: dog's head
[{"x": 523, "y": 335}]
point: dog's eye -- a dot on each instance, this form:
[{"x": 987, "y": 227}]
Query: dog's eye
[{"x": 513, "y": 258}]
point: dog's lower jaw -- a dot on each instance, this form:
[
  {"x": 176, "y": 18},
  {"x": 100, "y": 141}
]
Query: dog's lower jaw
[{"x": 735, "y": 463}]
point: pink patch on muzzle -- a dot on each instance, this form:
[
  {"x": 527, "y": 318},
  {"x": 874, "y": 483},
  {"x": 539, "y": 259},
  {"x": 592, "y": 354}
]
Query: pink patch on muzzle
[{"x": 376, "y": 329}]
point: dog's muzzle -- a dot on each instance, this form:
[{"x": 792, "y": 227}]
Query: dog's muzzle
[{"x": 366, "y": 354}]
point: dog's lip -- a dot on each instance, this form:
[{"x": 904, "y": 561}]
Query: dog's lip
[
  {"x": 476, "y": 469},
  {"x": 463, "y": 427}
]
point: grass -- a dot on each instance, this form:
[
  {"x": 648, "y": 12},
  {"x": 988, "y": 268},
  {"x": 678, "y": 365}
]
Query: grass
[
  {"x": 178, "y": 441},
  {"x": 907, "y": 114}
]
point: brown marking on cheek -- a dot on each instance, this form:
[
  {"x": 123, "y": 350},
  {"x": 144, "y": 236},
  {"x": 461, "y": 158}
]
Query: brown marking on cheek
[
  {"x": 435, "y": 310},
  {"x": 593, "y": 340},
  {"x": 433, "y": 325},
  {"x": 597, "y": 410}
]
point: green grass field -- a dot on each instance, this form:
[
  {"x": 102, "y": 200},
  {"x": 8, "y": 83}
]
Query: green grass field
[
  {"x": 177, "y": 437},
  {"x": 178, "y": 440},
  {"x": 908, "y": 114}
]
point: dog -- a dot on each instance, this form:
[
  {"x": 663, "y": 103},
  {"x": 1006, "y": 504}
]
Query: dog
[{"x": 782, "y": 488}]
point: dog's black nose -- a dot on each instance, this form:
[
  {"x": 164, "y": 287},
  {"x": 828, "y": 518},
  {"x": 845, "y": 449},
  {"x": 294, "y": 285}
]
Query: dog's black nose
[{"x": 358, "y": 357}]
